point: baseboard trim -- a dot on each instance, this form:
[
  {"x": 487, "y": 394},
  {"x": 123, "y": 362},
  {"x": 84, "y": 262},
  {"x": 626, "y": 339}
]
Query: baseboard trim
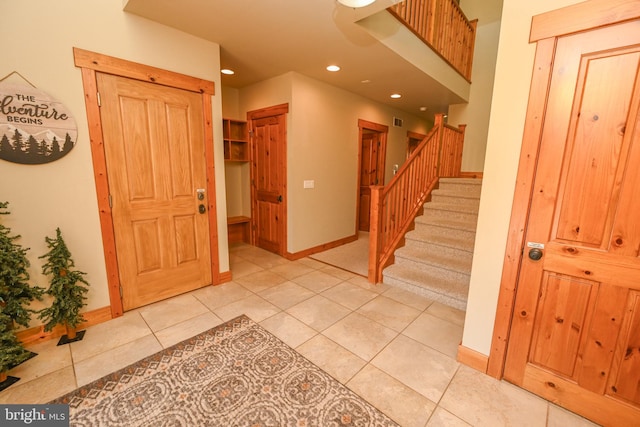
[
  {"x": 224, "y": 277},
  {"x": 321, "y": 248},
  {"x": 473, "y": 359},
  {"x": 37, "y": 334},
  {"x": 471, "y": 175}
]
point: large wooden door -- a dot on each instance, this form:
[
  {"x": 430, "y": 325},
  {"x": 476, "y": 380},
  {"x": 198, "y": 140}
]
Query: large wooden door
[
  {"x": 575, "y": 332},
  {"x": 155, "y": 156},
  {"x": 268, "y": 180}
]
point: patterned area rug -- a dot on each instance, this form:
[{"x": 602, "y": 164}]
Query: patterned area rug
[{"x": 236, "y": 374}]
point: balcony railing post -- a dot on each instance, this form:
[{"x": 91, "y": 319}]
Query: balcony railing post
[
  {"x": 438, "y": 123},
  {"x": 375, "y": 234}
]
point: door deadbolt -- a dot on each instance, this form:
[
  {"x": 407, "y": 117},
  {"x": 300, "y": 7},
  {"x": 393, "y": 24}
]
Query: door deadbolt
[{"x": 535, "y": 254}]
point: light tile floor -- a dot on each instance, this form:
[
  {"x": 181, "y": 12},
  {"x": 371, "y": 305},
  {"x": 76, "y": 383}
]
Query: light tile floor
[{"x": 395, "y": 349}]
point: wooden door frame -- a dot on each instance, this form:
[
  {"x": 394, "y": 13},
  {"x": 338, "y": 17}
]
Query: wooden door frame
[
  {"x": 91, "y": 63},
  {"x": 275, "y": 110},
  {"x": 545, "y": 29},
  {"x": 383, "y": 130}
]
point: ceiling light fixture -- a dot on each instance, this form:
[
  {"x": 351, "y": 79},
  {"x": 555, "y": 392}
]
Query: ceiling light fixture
[
  {"x": 333, "y": 68},
  {"x": 396, "y": 96},
  {"x": 355, "y": 3},
  {"x": 227, "y": 71}
]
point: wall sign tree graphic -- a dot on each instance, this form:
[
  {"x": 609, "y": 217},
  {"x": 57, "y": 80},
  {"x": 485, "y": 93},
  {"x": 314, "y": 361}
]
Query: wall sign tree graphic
[{"x": 34, "y": 127}]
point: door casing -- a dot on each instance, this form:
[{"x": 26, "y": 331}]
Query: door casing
[{"x": 90, "y": 63}]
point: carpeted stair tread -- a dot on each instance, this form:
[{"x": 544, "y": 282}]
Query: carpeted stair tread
[
  {"x": 450, "y": 241},
  {"x": 451, "y": 223},
  {"x": 428, "y": 255},
  {"x": 456, "y": 193},
  {"x": 465, "y": 181},
  {"x": 451, "y": 207},
  {"x": 448, "y": 292}
]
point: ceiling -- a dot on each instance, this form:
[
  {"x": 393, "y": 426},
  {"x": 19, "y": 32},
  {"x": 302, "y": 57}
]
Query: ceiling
[{"x": 263, "y": 39}]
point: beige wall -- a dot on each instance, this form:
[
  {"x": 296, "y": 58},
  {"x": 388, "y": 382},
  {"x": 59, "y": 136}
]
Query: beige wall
[
  {"x": 39, "y": 36},
  {"x": 322, "y": 145},
  {"x": 475, "y": 114},
  {"x": 508, "y": 110}
]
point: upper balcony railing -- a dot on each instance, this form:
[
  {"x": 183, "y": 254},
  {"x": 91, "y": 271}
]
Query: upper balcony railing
[{"x": 443, "y": 27}]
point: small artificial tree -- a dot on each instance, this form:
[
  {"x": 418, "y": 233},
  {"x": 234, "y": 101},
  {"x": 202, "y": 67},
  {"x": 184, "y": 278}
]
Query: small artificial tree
[
  {"x": 15, "y": 292},
  {"x": 12, "y": 353},
  {"x": 65, "y": 287}
]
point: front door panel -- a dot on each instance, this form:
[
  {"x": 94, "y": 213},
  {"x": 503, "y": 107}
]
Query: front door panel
[
  {"x": 154, "y": 147},
  {"x": 575, "y": 336}
]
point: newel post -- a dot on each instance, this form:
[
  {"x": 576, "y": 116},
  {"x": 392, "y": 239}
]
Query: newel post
[{"x": 375, "y": 233}]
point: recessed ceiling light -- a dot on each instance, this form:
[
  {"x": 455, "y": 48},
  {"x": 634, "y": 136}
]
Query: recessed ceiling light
[
  {"x": 366, "y": 81},
  {"x": 423, "y": 108},
  {"x": 333, "y": 68},
  {"x": 227, "y": 71},
  {"x": 396, "y": 96}
]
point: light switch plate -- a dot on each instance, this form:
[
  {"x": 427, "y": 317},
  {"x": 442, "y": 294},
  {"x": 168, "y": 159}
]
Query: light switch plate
[{"x": 309, "y": 183}]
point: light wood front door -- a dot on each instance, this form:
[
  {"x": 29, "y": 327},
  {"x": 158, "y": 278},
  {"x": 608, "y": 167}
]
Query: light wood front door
[
  {"x": 575, "y": 332},
  {"x": 155, "y": 155},
  {"x": 268, "y": 179}
]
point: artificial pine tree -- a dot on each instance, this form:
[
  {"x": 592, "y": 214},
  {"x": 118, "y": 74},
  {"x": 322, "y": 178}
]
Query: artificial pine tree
[
  {"x": 65, "y": 287},
  {"x": 12, "y": 353},
  {"x": 15, "y": 292}
]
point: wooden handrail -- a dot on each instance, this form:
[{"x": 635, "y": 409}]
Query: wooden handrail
[
  {"x": 442, "y": 25},
  {"x": 394, "y": 206}
]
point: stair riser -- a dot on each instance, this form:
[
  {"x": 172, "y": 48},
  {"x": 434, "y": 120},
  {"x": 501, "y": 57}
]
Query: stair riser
[
  {"x": 439, "y": 273},
  {"x": 456, "y": 248},
  {"x": 427, "y": 293},
  {"x": 461, "y": 265},
  {"x": 426, "y": 231},
  {"x": 447, "y": 214},
  {"x": 453, "y": 200},
  {"x": 469, "y": 189}
]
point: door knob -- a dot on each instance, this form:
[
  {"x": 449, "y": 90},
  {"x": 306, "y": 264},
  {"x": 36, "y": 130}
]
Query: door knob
[
  {"x": 202, "y": 209},
  {"x": 280, "y": 198},
  {"x": 535, "y": 254}
]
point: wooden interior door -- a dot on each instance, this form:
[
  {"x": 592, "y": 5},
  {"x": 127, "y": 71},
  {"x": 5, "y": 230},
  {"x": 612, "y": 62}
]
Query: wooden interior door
[
  {"x": 268, "y": 180},
  {"x": 373, "y": 139},
  {"x": 369, "y": 175},
  {"x": 575, "y": 332},
  {"x": 155, "y": 155}
]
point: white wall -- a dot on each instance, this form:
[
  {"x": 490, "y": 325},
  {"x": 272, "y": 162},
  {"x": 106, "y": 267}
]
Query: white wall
[
  {"x": 508, "y": 111},
  {"x": 39, "y": 36},
  {"x": 322, "y": 145}
]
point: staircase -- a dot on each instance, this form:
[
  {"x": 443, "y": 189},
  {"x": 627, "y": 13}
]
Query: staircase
[{"x": 436, "y": 259}]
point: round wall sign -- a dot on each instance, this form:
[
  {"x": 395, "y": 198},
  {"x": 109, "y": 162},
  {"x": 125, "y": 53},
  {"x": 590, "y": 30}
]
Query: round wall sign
[{"x": 34, "y": 127}]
